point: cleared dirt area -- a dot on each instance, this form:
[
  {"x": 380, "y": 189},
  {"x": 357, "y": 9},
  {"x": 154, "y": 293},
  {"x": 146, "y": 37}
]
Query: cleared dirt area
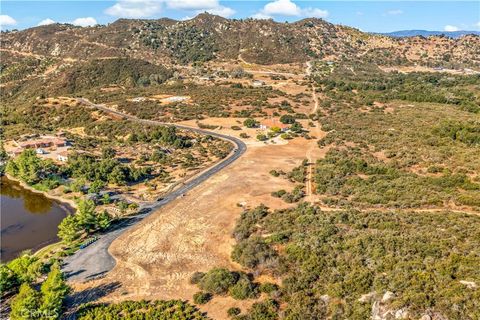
[{"x": 156, "y": 258}]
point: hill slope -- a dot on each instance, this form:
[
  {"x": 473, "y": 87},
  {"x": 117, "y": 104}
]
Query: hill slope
[{"x": 208, "y": 37}]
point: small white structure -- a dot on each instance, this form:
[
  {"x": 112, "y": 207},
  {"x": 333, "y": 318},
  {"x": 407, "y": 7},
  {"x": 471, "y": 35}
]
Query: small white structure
[
  {"x": 139, "y": 99},
  {"x": 258, "y": 83},
  {"x": 62, "y": 156},
  {"x": 40, "y": 151}
]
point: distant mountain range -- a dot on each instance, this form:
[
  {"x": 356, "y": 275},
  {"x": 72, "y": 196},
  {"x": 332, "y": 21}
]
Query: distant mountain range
[{"x": 426, "y": 33}]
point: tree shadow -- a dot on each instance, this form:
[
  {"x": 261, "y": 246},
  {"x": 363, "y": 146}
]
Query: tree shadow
[
  {"x": 73, "y": 273},
  {"x": 92, "y": 294}
]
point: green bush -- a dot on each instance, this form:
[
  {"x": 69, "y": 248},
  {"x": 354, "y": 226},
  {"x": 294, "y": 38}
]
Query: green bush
[
  {"x": 266, "y": 310},
  {"x": 268, "y": 287},
  {"x": 202, "y": 297},
  {"x": 243, "y": 289},
  {"x": 262, "y": 137},
  {"x": 218, "y": 281},
  {"x": 253, "y": 252},
  {"x": 250, "y": 123},
  {"x": 233, "y": 311}
]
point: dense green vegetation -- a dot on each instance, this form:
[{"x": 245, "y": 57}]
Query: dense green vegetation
[
  {"x": 139, "y": 310},
  {"x": 420, "y": 257},
  {"x": 210, "y": 101},
  {"x": 86, "y": 219},
  {"x": 105, "y": 170},
  {"x": 34, "y": 171},
  {"x": 189, "y": 44},
  {"x": 349, "y": 175},
  {"x": 35, "y": 299},
  {"x": 42, "y": 117},
  {"x": 221, "y": 281},
  {"x": 47, "y": 303},
  {"x": 466, "y": 132},
  {"x": 364, "y": 83},
  {"x": 121, "y": 71},
  {"x": 24, "y": 269}
]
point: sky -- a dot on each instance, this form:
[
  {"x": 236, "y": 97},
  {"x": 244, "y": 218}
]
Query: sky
[{"x": 369, "y": 16}]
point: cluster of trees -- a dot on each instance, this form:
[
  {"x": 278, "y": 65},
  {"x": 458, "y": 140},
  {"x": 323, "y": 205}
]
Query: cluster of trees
[
  {"x": 221, "y": 281},
  {"x": 346, "y": 254},
  {"x": 122, "y": 71},
  {"x": 26, "y": 268},
  {"x": 187, "y": 44},
  {"x": 466, "y": 132},
  {"x": 141, "y": 310},
  {"x": 46, "y": 303},
  {"x": 32, "y": 170},
  {"x": 299, "y": 174},
  {"x": 240, "y": 286},
  {"x": 21, "y": 276},
  {"x": 164, "y": 135},
  {"x": 41, "y": 117},
  {"x": 289, "y": 197},
  {"x": 107, "y": 170},
  {"x": 252, "y": 251},
  {"x": 86, "y": 219}
]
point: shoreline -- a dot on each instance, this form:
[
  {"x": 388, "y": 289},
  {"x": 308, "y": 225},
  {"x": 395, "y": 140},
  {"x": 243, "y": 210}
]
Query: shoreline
[
  {"x": 66, "y": 205},
  {"x": 61, "y": 200}
]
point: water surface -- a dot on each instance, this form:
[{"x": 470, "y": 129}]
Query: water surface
[{"x": 29, "y": 220}]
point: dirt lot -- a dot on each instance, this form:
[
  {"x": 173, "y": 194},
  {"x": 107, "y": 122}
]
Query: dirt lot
[{"x": 156, "y": 258}]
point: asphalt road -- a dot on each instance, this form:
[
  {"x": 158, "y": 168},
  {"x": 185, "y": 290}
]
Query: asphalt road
[{"x": 95, "y": 261}]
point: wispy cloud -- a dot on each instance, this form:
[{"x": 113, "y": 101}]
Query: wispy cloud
[
  {"x": 288, "y": 8},
  {"x": 85, "y": 22},
  {"x": 150, "y": 8},
  {"x": 394, "y": 12},
  {"x": 6, "y": 20},
  {"x": 450, "y": 28},
  {"x": 134, "y": 8},
  {"x": 46, "y": 22}
]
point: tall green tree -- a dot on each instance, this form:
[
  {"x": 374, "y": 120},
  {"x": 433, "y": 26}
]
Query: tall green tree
[
  {"x": 86, "y": 216},
  {"x": 68, "y": 229},
  {"x": 26, "y": 267},
  {"x": 25, "y": 305},
  {"x": 54, "y": 290},
  {"x": 103, "y": 220},
  {"x": 8, "y": 279}
]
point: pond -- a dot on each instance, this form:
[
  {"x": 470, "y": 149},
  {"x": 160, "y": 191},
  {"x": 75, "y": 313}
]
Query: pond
[{"x": 29, "y": 220}]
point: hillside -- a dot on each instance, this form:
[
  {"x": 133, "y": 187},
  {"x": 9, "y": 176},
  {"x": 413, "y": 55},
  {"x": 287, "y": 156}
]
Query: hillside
[{"x": 210, "y": 37}]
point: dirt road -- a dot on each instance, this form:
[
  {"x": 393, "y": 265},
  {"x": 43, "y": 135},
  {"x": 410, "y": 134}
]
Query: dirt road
[{"x": 95, "y": 260}]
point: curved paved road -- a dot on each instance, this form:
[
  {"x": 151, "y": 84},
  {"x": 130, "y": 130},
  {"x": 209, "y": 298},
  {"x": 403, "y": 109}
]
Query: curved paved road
[{"x": 95, "y": 260}]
